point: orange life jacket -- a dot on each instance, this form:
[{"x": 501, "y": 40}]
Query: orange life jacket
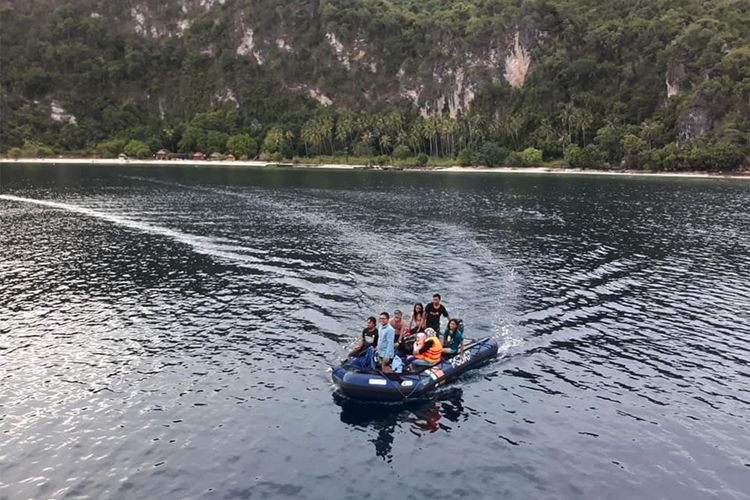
[{"x": 433, "y": 354}]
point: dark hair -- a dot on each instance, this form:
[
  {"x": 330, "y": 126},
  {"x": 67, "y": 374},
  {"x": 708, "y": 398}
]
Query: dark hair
[
  {"x": 454, "y": 320},
  {"x": 414, "y": 311},
  {"x": 385, "y": 313},
  {"x": 372, "y": 318},
  {"x": 436, "y": 295}
]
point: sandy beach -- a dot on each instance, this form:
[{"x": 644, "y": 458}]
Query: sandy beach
[{"x": 341, "y": 166}]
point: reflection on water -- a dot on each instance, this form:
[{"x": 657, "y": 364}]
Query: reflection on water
[
  {"x": 169, "y": 331},
  {"x": 421, "y": 416}
]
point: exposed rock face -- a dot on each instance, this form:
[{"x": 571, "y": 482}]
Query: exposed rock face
[
  {"x": 313, "y": 92},
  {"x": 247, "y": 46},
  {"x": 346, "y": 55},
  {"x": 58, "y": 114},
  {"x": 449, "y": 89},
  {"x": 149, "y": 20},
  {"x": 228, "y": 97},
  {"x": 316, "y": 94},
  {"x": 448, "y": 85},
  {"x": 284, "y": 45},
  {"x": 675, "y": 74},
  {"x": 694, "y": 122},
  {"x": 517, "y": 63}
]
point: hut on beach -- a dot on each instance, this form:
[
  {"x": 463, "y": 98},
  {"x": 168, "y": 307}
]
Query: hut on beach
[
  {"x": 199, "y": 156},
  {"x": 163, "y": 154},
  {"x": 229, "y": 157}
]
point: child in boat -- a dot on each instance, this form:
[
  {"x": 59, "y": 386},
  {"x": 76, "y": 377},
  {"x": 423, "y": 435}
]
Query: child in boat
[{"x": 453, "y": 338}]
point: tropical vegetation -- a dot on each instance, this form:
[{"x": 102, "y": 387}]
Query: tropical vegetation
[{"x": 661, "y": 85}]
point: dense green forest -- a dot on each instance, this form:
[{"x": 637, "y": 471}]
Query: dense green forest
[{"x": 653, "y": 84}]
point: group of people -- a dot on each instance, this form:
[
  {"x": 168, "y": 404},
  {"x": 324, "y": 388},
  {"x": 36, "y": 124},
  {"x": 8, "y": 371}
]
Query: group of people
[{"x": 400, "y": 345}]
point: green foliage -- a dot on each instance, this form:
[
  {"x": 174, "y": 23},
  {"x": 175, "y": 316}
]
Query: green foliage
[
  {"x": 110, "y": 149},
  {"x": 466, "y": 157},
  {"x": 588, "y": 157},
  {"x": 422, "y": 159},
  {"x": 401, "y": 152},
  {"x": 137, "y": 149},
  {"x": 492, "y": 154},
  {"x": 531, "y": 156},
  {"x": 382, "y": 160},
  {"x": 596, "y": 80},
  {"x": 278, "y": 140},
  {"x": 242, "y": 145},
  {"x": 514, "y": 159},
  {"x": 636, "y": 151},
  {"x": 609, "y": 140},
  {"x": 31, "y": 149},
  {"x": 362, "y": 149}
]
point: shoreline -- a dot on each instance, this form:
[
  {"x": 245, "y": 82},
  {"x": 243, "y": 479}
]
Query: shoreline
[{"x": 341, "y": 166}]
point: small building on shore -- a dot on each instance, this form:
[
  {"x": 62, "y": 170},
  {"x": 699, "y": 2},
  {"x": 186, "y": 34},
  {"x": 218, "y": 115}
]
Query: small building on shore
[
  {"x": 163, "y": 154},
  {"x": 229, "y": 157},
  {"x": 198, "y": 156}
]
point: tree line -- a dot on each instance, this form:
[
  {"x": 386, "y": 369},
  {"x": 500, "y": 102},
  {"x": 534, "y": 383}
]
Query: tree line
[{"x": 595, "y": 95}]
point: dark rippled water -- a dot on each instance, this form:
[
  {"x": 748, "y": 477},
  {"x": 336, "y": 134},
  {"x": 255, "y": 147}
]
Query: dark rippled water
[{"x": 167, "y": 333}]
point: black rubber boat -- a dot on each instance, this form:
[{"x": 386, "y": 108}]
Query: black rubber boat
[{"x": 376, "y": 386}]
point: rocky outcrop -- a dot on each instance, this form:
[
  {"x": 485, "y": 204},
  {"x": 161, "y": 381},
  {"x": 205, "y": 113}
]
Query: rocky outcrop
[
  {"x": 58, "y": 114},
  {"x": 694, "y": 121},
  {"x": 517, "y": 63},
  {"x": 674, "y": 77},
  {"x": 349, "y": 53},
  {"x": 247, "y": 46}
]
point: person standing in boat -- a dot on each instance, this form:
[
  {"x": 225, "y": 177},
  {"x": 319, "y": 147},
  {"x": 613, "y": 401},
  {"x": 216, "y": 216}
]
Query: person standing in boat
[
  {"x": 415, "y": 322},
  {"x": 386, "y": 342},
  {"x": 432, "y": 313},
  {"x": 369, "y": 338}
]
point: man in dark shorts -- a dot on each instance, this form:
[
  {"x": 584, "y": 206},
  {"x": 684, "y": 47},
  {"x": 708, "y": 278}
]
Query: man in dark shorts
[
  {"x": 432, "y": 313},
  {"x": 369, "y": 338}
]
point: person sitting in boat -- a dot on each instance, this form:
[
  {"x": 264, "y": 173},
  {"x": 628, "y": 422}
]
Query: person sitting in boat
[
  {"x": 453, "y": 338},
  {"x": 428, "y": 349},
  {"x": 415, "y": 322},
  {"x": 398, "y": 324},
  {"x": 369, "y": 338},
  {"x": 386, "y": 342}
]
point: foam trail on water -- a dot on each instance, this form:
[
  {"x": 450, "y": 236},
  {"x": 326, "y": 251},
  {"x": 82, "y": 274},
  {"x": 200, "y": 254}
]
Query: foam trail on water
[{"x": 200, "y": 244}]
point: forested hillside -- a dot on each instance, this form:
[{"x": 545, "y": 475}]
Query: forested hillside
[{"x": 653, "y": 84}]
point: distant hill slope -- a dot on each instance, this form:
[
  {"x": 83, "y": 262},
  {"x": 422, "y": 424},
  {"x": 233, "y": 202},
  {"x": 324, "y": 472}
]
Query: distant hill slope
[{"x": 658, "y": 84}]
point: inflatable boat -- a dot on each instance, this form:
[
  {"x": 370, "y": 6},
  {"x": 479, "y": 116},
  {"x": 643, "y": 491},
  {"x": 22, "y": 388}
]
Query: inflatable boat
[{"x": 379, "y": 386}]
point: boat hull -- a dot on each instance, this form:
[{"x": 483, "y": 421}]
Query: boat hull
[{"x": 375, "y": 386}]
